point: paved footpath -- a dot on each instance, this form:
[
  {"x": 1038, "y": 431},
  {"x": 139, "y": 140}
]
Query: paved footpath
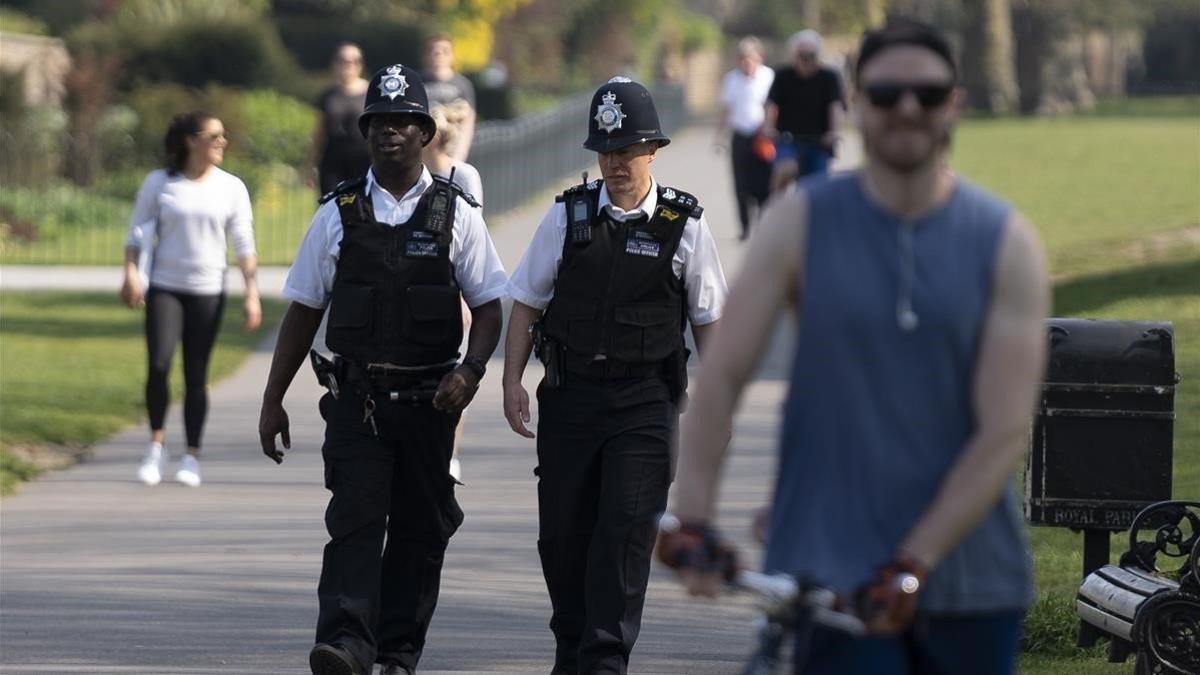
[{"x": 100, "y": 574}]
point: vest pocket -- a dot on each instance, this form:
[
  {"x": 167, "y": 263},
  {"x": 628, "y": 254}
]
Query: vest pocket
[
  {"x": 351, "y": 305},
  {"x": 574, "y": 323},
  {"x": 436, "y": 315},
  {"x": 645, "y": 333}
]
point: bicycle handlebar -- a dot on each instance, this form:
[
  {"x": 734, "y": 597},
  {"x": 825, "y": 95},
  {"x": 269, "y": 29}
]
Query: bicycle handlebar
[{"x": 782, "y": 593}]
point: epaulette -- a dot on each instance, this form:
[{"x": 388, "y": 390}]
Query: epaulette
[
  {"x": 684, "y": 201},
  {"x": 592, "y": 185},
  {"x": 348, "y": 185},
  {"x": 466, "y": 196}
]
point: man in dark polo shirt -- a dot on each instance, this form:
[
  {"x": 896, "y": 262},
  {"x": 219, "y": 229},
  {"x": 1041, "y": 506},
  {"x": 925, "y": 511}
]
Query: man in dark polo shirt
[{"x": 804, "y": 110}]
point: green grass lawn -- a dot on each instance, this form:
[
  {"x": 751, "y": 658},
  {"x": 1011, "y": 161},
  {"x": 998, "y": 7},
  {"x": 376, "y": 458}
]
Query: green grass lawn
[
  {"x": 73, "y": 367},
  {"x": 1091, "y": 185}
]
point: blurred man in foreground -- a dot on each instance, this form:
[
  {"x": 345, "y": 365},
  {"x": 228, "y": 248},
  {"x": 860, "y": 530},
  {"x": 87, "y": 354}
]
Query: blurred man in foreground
[{"x": 920, "y": 299}]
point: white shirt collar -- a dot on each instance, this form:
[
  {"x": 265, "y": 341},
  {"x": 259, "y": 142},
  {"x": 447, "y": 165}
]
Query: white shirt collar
[
  {"x": 414, "y": 192},
  {"x": 645, "y": 207}
]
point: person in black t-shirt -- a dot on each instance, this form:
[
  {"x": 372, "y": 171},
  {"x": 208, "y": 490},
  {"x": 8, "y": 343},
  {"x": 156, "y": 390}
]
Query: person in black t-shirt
[
  {"x": 446, "y": 85},
  {"x": 338, "y": 151},
  {"x": 804, "y": 111}
]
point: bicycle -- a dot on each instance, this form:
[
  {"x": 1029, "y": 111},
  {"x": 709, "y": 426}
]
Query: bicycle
[{"x": 787, "y": 602}]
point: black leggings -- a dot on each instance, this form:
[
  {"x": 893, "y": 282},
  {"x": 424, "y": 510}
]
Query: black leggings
[{"x": 171, "y": 315}]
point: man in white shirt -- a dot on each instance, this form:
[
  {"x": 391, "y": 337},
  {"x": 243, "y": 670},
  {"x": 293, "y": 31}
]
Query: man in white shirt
[
  {"x": 615, "y": 270},
  {"x": 744, "y": 97},
  {"x": 391, "y": 255}
]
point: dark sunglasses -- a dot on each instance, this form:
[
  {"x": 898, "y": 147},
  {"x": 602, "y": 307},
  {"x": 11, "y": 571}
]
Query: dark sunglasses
[{"x": 888, "y": 94}]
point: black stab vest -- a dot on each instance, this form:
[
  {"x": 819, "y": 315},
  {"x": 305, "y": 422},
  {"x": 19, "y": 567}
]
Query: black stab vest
[
  {"x": 395, "y": 298},
  {"x": 616, "y": 295}
]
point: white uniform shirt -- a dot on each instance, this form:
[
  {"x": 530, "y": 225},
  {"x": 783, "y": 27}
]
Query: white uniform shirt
[
  {"x": 467, "y": 177},
  {"x": 745, "y": 98},
  {"x": 185, "y": 226},
  {"x": 695, "y": 261},
  {"x": 477, "y": 267}
]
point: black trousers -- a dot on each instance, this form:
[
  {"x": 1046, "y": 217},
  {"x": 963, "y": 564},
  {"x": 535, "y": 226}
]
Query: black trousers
[
  {"x": 377, "y": 599},
  {"x": 604, "y": 456},
  {"x": 172, "y": 317},
  {"x": 751, "y": 178}
]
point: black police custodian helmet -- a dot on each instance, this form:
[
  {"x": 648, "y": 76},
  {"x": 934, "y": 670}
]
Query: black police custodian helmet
[
  {"x": 396, "y": 89},
  {"x": 622, "y": 113}
]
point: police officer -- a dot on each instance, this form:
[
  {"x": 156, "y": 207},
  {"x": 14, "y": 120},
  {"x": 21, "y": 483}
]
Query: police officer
[
  {"x": 615, "y": 270},
  {"x": 389, "y": 253}
]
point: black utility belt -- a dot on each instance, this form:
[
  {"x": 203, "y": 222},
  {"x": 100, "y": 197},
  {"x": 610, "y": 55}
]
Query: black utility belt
[
  {"x": 405, "y": 383},
  {"x": 589, "y": 366}
]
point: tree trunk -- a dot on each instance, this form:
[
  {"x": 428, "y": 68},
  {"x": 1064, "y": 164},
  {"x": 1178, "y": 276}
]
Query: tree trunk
[
  {"x": 1050, "y": 59},
  {"x": 924, "y": 10},
  {"x": 810, "y": 13},
  {"x": 875, "y": 11},
  {"x": 988, "y": 66},
  {"x": 89, "y": 86}
]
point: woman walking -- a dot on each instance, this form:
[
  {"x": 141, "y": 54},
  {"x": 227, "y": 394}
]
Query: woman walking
[
  {"x": 185, "y": 216},
  {"x": 337, "y": 151}
]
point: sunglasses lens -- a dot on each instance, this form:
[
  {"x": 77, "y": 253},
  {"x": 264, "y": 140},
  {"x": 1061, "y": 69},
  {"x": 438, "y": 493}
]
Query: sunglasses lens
[
  {"x": 884, "y": 95},
  {"x": 887, "y": 94},
  {"x": 931, "y": 95}
]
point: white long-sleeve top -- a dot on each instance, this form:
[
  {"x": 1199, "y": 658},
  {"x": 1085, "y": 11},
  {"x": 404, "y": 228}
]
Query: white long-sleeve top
[{"x": 188, "y": 224}]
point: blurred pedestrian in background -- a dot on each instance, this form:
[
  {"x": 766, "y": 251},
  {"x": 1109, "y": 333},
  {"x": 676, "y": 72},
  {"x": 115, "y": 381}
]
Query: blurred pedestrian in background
[
  {"x": 744, "y": 96},
  {"x": 338, "y": 151},
  {"x": 446, "y": 85},
  {"x": 805, "y": 108},
  {"x": 185, "y": 217},
  {"x": 439, "y": 156}
]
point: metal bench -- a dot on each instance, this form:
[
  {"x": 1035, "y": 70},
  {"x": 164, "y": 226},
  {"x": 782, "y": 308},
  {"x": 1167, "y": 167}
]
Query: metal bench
[{"x": 1149, "y": 603}]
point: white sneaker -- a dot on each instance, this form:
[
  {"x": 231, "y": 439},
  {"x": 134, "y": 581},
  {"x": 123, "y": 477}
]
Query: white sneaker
[
  {"x": 150, "y": 472},
  {"x": 188, "y": 472},
  {"x": 456, "y": 469}
]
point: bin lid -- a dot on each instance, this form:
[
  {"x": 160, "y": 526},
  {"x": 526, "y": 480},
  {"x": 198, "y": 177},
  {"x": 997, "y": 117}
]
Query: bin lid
[{"x": 1101, "y": 351}]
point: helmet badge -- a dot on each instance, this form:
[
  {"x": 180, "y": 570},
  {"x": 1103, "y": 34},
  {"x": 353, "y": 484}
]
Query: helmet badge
[
  {"x": 608, "y": 113},
  {"x": 393, "y": 84}
]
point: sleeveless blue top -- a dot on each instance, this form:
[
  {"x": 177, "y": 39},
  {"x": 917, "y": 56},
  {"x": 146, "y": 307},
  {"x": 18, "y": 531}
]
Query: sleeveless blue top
[{"x": 876, "y": 414}]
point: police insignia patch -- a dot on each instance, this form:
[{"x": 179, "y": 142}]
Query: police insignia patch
[
  {"x": 669, "y": 194},
  {"x": 346, "y": 199},
  {"x": 608, "y": 113},
  {"x": 393, "y": 83}
]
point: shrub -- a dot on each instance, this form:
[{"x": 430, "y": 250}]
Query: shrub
[
  {"x": 33, "y": 146},
  {"x": 231, "y": 51},
  {"x": 155, "y": 105},
  {"x": 12, "y": 21},
  {"x": 276, "y": 128},
  {"x": 266, "y": 129},
  {"x": 311, "y": 40},
  {"x": 115, "y": 131}
]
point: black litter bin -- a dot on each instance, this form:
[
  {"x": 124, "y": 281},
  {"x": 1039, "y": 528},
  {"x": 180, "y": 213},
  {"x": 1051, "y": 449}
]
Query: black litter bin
[{"x": 1101, "y": 445}]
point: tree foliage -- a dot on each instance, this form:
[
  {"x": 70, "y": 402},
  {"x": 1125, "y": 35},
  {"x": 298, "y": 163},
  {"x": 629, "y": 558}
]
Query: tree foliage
[{"x": 151, "y": 14}]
